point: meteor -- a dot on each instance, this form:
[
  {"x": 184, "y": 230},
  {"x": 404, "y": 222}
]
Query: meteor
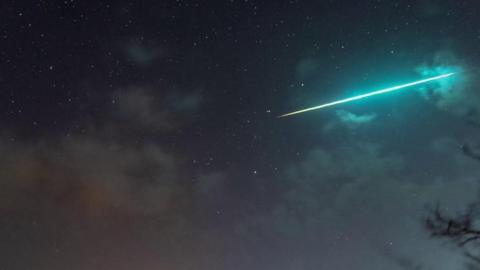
[{"x": 374, "y": 93}]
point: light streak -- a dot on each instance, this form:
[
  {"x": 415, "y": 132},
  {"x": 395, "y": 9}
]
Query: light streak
[{"x": 374, "y": 93}]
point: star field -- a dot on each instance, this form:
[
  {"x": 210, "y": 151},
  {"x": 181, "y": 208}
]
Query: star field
[{"x": 145, "y": 134}]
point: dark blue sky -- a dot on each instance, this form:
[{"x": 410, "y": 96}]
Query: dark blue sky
[{"x": 144, "y": 135}]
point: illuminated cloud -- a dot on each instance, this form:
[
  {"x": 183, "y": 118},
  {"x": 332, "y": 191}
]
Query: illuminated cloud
[
  {"x": 458, "y": 95},
  {"x": 354, "y": 120}
]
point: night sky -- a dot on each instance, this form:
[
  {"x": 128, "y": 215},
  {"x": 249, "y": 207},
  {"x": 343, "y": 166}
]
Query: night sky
[{"x": 145, "y": 134}]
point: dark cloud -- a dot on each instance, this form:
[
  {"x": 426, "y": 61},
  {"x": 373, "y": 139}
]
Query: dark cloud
[
  {"x": 212, "y": 185},
  {"x": 187, "y": 103},
  {"x": 307, "y": 68},
  {"x": 143, "y": 55},
  {"x": 100, "y": 192},
  {"x": 103, "y": 169},
  {"x": 141, "y": 106},
  {"x": 361, "y": 197},
  {"x": 430, "y": 8},
  {"x": 97, "y": 176}
]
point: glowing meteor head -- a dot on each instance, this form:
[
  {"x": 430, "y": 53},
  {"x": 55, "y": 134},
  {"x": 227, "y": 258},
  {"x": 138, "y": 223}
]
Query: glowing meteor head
[
  {"x": 378, "y": 92},
  {"x": 442, "y": 87}
]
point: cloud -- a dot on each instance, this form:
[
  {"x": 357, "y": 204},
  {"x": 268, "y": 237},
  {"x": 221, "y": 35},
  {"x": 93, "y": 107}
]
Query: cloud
[
  {"x": 349, "y": 120},
  {"x": 353, "y": 120},
  {"x": 186, "y": 103},
  {"x": 101, "y": 171},
  {"x": 307, "y": 68},
  {"x": 211, "y": 184},
  {"x": 445, "y": 145},
  {"x": 110, "y": 190},
  {"x": 143, "y": 55},
  {"x": 430, "y": 8},
  {"x": 140, "y": 107},
  {"x": 360, "y": 200},
  {"x": 457, "y": 94},
  {"x": 90, "y": 175}
]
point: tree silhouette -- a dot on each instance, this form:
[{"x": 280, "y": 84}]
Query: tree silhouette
[{"x": 460, "y": 229}]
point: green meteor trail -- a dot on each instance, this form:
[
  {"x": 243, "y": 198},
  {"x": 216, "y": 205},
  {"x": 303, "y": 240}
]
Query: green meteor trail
[{"x": 378, "y": 92}]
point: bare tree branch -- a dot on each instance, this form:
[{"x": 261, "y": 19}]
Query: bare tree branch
[{"x": 459, "y": 229}]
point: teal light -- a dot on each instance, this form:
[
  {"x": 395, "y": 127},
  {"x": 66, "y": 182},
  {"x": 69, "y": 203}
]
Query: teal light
[
  {"x": 442, "y": 87},
  {"x": 378, "y": 92}
]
